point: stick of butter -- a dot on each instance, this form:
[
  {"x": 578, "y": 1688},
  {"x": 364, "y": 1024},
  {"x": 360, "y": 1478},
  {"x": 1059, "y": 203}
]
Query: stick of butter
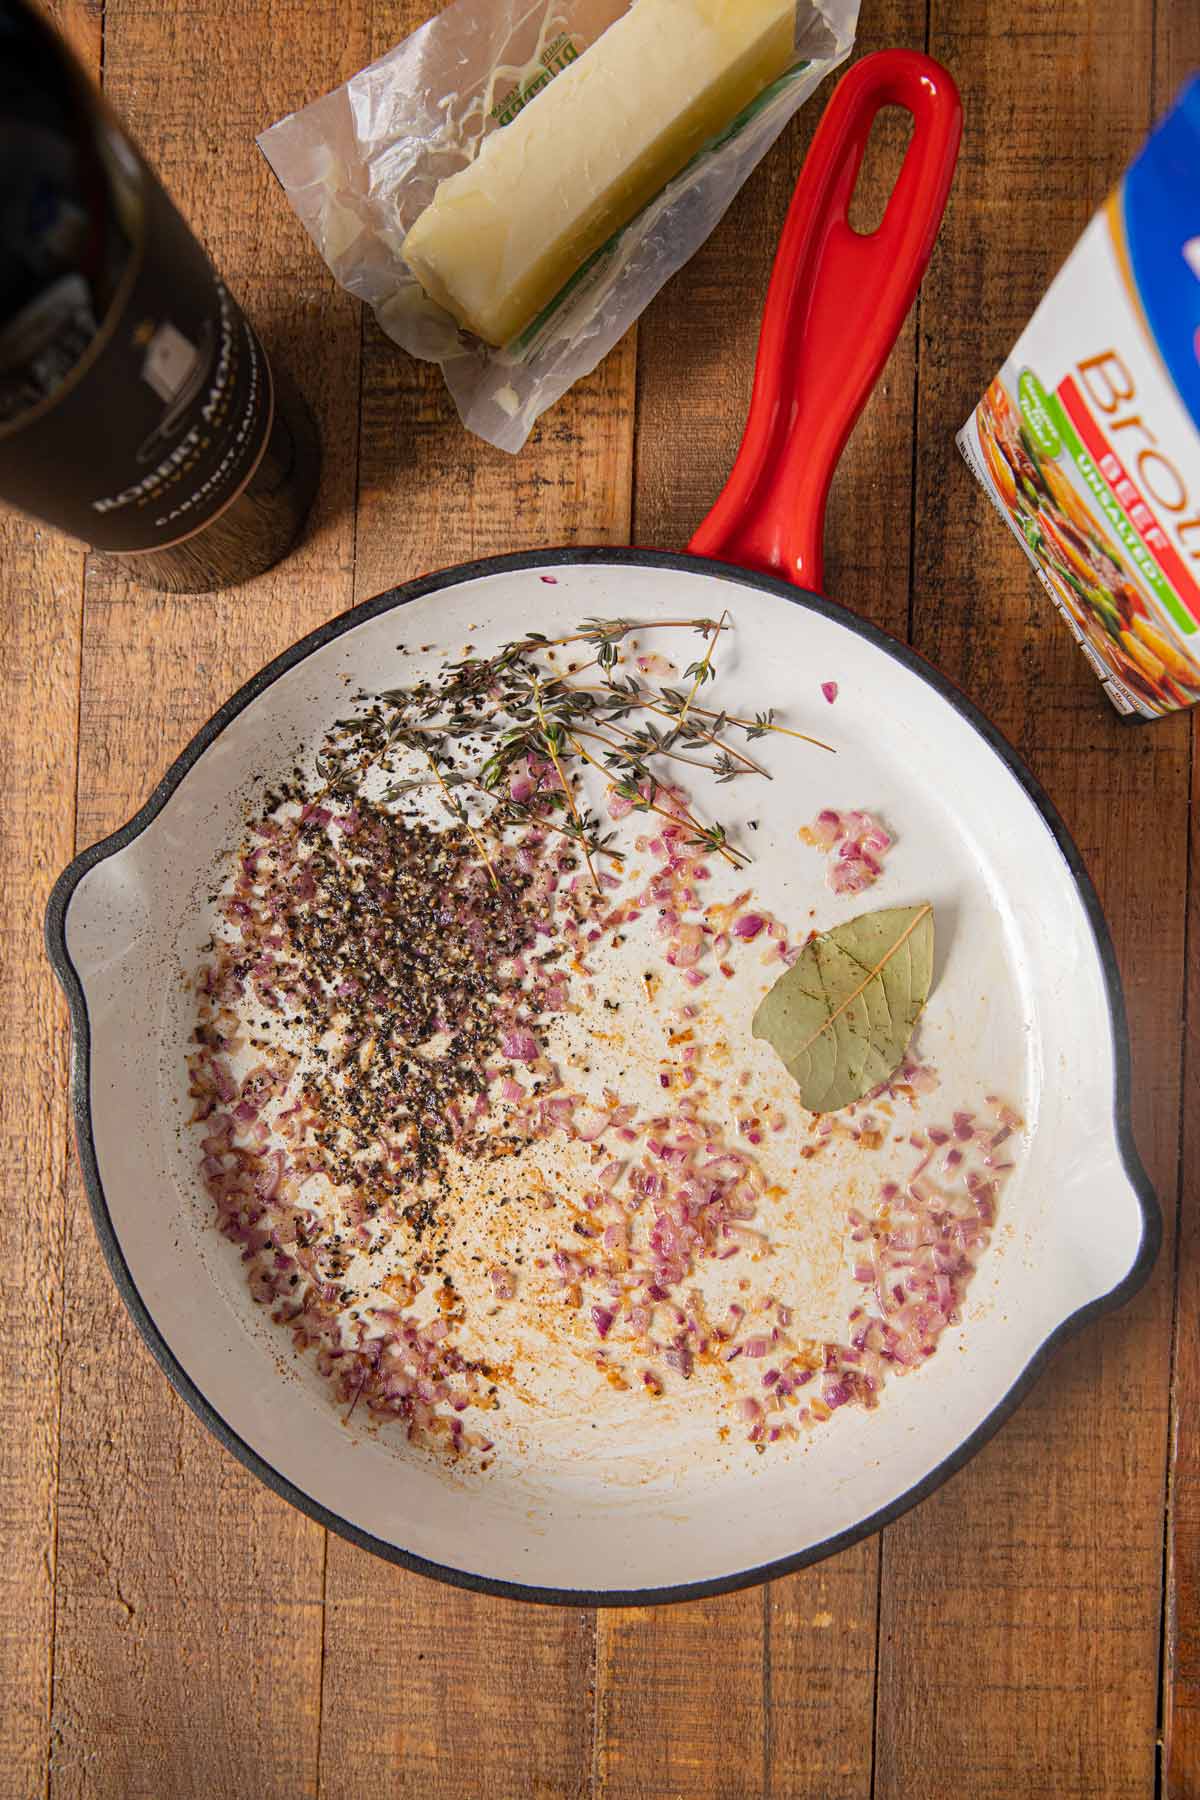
[{"x": 503, "y": 236}]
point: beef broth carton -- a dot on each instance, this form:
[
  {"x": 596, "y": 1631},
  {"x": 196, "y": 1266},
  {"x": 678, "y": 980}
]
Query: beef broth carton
[{"x": 1088, "y": 440}]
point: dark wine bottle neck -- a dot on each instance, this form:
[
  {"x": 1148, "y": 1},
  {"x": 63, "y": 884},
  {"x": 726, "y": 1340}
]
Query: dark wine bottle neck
[{"x": 63, "y": 240}]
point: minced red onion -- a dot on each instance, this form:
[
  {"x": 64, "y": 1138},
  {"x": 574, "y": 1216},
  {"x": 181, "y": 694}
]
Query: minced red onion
[
  {"x": 589, "y": 1124},
  {"x": 856, "y": 844},
  {"x": 635, "y": 1250}
]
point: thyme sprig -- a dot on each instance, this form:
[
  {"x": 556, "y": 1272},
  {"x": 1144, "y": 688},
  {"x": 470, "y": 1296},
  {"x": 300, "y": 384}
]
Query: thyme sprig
[{"x": 513, "y": 731}]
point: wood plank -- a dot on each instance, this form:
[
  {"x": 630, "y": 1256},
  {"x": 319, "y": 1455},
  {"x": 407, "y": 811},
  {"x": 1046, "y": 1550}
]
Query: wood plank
[
  {"x": 82, "y": 24},
  {"x": 682, "y": 1704},
  {"x": 1020, "y": 1605},
  {"x": 765, "y": 1689},
  {"x": 1181, "y": 1671},
  {"x": 431, "y": 1691},
  {"x": 189, "y": 1598},
  {"x": 41, "y": 603},
  {"x": 431, "y": 496},
  {"x": 41, "y": 606},
  {"x": 1178, "y": 54}
]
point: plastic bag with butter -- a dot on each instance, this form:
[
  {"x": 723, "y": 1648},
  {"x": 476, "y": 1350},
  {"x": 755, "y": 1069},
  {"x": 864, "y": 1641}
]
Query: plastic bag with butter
[{"x": 625, "y": 170}]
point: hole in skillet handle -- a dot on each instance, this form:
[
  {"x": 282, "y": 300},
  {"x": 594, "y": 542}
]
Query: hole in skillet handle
[
  {"x": 835, "y": 306},
  {"x": 883, "y": 158}
]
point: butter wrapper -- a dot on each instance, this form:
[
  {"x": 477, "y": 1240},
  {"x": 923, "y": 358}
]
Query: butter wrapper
[
  {"x": 1088, "y": 440},
  {"x": 363, "y": 163}
]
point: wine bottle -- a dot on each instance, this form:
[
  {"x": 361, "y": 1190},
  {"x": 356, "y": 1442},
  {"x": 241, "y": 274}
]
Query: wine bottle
[{"x": 138, "y": 410}]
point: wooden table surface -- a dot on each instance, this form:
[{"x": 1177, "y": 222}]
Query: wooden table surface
[{"x": 169, "y": 1628}]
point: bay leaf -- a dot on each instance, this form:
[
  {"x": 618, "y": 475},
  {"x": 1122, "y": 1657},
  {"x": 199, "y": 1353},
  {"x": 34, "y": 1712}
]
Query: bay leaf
[{"x": 840, "y": 1020}]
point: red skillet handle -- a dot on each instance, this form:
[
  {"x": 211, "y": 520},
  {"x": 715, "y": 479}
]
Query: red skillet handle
[{"x": 836, "y": 304}]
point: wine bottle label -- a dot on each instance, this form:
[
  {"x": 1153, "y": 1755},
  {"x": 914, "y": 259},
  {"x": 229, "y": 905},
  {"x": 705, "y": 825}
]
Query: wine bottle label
[{"x": 163, "y": 419}]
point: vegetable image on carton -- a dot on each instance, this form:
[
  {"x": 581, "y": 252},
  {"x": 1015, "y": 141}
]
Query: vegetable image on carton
[
  {"x": 1088, "y": 440},
  {"x": 505, "y": 235}
]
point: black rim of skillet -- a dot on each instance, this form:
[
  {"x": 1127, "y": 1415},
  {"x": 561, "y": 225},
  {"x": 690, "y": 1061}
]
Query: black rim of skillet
[{"x": 56, "y": 918}]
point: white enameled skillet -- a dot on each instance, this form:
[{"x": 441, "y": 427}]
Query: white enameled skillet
[{"x": 1027, "y": 993}]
